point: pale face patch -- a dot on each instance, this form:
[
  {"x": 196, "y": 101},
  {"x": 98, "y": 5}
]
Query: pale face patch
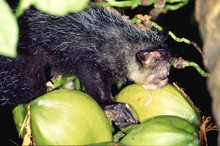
[{"x": 152, "y": 75}]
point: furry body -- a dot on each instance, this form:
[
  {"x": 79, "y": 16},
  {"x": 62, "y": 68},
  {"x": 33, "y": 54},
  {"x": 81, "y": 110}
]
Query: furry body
[{"x": 99, "y": 47}]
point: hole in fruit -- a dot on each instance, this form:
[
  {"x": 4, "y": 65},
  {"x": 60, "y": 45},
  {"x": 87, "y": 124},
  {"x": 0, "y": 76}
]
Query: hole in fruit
[{"x": 149, "y": 99}]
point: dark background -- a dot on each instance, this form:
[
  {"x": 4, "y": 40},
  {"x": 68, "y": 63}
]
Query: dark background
[{"x": 182, "y": 24}]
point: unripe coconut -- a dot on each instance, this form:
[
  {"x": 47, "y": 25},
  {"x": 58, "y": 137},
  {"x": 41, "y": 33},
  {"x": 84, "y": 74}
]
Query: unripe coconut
[
  {"x": 67, "y": 117},
  {"x": 163, "y": 130},
  {"x": 163, "y": 101}
]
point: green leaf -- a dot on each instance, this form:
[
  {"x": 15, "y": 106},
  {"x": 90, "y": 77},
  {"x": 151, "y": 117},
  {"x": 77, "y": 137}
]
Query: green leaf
[
  {"x": 8, "y": 30},
  {"x": 60, "y": 8},
  {"x": 22, "y": 5}
]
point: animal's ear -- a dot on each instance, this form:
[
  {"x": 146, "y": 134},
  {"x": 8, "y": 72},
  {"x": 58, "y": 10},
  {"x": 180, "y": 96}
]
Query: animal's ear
[{"x": 151, "y": 55}]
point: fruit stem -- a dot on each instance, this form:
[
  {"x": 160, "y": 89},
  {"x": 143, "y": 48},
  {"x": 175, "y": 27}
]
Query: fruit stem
[{"x": 180, "y": 63}]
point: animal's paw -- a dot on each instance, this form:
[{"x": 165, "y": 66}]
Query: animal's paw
[{"x": 121, "y": 114}]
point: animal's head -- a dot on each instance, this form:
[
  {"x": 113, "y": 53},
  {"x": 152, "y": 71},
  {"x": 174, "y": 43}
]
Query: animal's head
[
  {"x": 151, "y": 68},
  {"x": 151, "y": 62}
]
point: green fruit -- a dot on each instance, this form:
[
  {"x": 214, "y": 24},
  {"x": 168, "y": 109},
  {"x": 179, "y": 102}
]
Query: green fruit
[
  {"x": 19, "y": 113},
  {"x": 163, "y": 130},
  {"x": 66, "y": 117},
  {"x": 110, "y": 143},
  {"x": 163, "y": 101}
]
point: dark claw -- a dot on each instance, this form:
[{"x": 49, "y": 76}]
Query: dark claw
[{"x": 121, "y": 114}]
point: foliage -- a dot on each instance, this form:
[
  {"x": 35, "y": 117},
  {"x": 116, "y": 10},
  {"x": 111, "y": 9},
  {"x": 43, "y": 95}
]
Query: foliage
[{"x": 8, "y": 31}]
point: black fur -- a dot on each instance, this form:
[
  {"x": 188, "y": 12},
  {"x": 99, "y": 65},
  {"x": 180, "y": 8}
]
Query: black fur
[{"x": 95, "y": 44}]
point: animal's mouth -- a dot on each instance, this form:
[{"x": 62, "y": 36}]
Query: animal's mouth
[
  {"x": 159, "y": 84},
  {"x": 158, "y": 81}
]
